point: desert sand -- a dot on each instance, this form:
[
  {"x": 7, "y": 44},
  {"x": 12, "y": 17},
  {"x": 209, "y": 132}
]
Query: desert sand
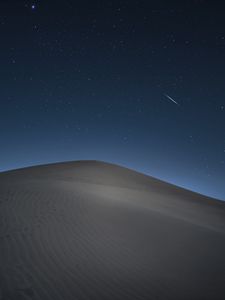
[{"x": 91, "y": 230}]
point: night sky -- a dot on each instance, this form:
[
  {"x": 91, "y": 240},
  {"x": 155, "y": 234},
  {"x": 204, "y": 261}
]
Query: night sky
[{"x": 137, "y": 83}]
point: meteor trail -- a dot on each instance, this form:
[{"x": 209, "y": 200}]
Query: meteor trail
[{"x": 171, "y": 99}]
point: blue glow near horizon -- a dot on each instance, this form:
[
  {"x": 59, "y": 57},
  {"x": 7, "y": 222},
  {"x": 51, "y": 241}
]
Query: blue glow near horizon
[{"x": 154, "y": 169}]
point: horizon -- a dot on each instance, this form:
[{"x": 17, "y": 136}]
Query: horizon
[{"x": 116, "y": 164}]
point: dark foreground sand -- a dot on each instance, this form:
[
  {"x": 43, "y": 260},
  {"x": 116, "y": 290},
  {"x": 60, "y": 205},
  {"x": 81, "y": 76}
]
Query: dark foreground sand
[{"x": 91, "y": 230}]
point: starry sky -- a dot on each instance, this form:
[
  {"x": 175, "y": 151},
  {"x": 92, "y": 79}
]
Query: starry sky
[{"x": 137, "y": 83}]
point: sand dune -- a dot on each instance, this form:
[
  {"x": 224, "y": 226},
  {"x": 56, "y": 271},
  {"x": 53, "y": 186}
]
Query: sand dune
[{"x": 91, "y": 230}]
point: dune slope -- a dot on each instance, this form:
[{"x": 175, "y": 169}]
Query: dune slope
[{"x": 91, "y": 230}]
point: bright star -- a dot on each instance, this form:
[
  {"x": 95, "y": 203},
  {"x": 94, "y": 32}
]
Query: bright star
[{"x": 33, "y": 7}]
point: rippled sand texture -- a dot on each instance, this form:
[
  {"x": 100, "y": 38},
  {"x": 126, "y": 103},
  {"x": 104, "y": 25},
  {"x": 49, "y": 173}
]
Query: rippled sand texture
[{"x": 91, "y": 230}]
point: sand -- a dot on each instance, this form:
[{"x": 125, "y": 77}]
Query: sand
[{"x": 91, "y": 230}]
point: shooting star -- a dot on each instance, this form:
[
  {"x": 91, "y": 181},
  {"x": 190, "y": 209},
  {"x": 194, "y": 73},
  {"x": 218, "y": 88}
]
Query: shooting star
[{"x": 171, "y": 99}]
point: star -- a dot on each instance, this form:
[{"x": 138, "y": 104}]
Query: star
[{"x": 33, "y": 6}]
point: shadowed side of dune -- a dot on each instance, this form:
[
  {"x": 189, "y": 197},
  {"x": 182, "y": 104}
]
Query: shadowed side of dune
[{"x": 92, "y": 230}]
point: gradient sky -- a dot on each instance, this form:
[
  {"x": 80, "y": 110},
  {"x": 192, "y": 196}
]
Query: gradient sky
[{"x": 89, "y": 79}]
